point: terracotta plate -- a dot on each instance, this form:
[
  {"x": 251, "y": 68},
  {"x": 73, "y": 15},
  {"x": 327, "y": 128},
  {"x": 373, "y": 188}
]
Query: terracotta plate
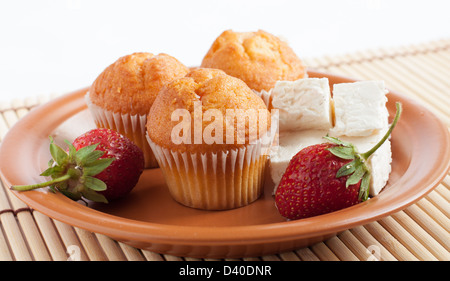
[{"x": 149, "y": 219}]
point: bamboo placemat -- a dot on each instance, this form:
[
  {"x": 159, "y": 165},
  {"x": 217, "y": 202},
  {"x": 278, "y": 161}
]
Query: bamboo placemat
[{"x": 420, "y": 232}]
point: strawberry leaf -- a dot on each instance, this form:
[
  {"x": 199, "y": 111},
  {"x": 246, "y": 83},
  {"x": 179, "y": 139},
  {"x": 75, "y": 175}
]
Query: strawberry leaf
[
  {"x": 95, "y": 167},
  {"x": 346, "y": 169},
  {"x": 52, "y": 171},
  {"x": 72, "y": 150},
  {"x": 364, "y": 188},
  {"x": 343, "y": 152},
  {"x": 91, "y": 157},
  {"x": 94, "y": 196},
  {"x": 58, "y": 154},
  {"x": 337, "y": 141},
  {"x": 356, "y": 176},
  {"x": 94, "y": 183},
  {"x": 84, "y": 151}
]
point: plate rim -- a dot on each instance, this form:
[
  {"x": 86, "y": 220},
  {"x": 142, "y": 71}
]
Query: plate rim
[{"x": 205, "y": 235}]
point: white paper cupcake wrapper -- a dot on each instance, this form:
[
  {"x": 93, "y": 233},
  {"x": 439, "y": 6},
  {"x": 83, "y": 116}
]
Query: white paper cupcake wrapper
[
  {"x": 132, "y": 126},
  {"x": 215, "y": 180},
  {"x": 265, "y": 96}
]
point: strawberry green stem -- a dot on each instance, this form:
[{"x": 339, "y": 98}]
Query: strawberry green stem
[
  {"x": 367, "y": 154},
  {"x": 39, "y": 185}
]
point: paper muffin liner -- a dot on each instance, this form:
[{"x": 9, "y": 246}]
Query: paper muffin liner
[
  {"x": 264, "y": 95},
  {"x": 215, "y": 180},
  {"x": 131, "y": 126}
]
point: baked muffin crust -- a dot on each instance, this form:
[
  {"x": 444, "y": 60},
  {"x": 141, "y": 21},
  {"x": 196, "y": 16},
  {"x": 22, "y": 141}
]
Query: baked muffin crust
[
  {"x": 258, "y": 58},
  {"x": 212, "y": 90},
  {"x": 131, "y": 84}
]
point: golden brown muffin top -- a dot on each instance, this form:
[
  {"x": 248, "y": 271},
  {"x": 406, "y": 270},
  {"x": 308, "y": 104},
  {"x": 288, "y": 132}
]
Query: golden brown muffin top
[
  {"x": 258, "y": 58},
  {"x": 201, "y": 74},
  {"x": 204, "y": 111},
  {"x": 131, "y": 84}
]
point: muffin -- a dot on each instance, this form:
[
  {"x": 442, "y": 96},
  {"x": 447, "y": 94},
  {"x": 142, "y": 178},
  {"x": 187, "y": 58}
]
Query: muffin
[
  {"x": 210, "y": 158},
  {"x": 258, "y": 58},
  {"x": 122, "y": 95}
]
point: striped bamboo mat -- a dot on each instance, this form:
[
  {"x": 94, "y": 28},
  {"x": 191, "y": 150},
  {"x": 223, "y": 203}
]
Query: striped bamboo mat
[{"x": 420, "y": 232}]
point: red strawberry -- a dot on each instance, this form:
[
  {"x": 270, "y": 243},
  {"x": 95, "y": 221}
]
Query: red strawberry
[
  {"x": 124, "y": 172},
  {"x": 326, "y": 177},
  {"x": 309, "y": 186},
  {"x": 100, "y": 165}
]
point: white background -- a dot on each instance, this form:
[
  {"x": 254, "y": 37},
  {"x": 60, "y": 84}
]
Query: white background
[{"x": 61, "y": 46}]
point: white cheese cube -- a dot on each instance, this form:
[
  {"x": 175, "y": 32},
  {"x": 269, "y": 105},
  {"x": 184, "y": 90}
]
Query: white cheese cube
[
  {"x": 303, "y": 104},
  {"x": 360, "y": 108}
]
